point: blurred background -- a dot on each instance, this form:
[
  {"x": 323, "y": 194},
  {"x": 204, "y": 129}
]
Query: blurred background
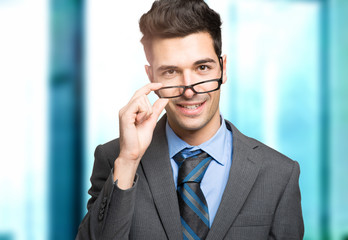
[{"x": 67, "y": 67}]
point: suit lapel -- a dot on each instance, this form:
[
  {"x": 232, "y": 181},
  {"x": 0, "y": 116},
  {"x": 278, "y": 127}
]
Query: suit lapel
[
  {"x": 158, "y": 172},
  {"x": 243, "y": 173}
]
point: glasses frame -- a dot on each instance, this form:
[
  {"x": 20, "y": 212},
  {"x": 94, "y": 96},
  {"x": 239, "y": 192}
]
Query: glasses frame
[{"x": 219, "y": 80}]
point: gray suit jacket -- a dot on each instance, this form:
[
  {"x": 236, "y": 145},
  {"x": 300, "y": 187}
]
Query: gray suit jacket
[{"x": 261, "y": 200}]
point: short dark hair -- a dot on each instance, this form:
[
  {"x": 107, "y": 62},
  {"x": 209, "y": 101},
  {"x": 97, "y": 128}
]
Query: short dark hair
[{"x": 179, "y": 18}]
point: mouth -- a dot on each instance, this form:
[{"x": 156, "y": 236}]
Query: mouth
[
  {"x": 191, "y": 109},
  {"x": 193, "y": 106}
]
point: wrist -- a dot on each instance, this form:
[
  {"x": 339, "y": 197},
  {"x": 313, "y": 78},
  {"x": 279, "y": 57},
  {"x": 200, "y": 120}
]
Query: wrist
[{"x": 124, "y": 172}]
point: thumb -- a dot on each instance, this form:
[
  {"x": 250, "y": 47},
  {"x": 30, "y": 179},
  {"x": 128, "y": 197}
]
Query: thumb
[{"x": 158, "y": 107}]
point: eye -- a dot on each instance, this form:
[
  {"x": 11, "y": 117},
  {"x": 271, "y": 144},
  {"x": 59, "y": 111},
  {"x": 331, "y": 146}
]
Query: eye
[
  {"x": 203, "y": 68},
  {"x": 169, "y": 72}
]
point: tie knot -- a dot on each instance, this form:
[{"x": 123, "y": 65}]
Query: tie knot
[{"x": 192, "y": 165}]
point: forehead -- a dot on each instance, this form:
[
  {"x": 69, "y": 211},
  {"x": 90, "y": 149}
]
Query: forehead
[{"x": 182, "y": 50}]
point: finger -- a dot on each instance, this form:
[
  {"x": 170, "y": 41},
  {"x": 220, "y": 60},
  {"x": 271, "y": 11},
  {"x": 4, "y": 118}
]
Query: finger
[
  {"x": 145, "y": 90},
  {"x": 140, "y": 118},
  {"x": 146, "y": 105},
  {"x": 158, "y": 107},
  {"x": 143, "y": 110},
  {"x": 134, "y": 111},
  {"x": 149, "y": 106}
]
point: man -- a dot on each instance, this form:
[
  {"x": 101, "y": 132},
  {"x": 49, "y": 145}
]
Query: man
[{"x": 192, "y": 174}]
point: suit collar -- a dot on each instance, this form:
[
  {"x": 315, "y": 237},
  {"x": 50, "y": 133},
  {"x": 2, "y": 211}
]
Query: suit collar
[{"x": 241, "y": 137}]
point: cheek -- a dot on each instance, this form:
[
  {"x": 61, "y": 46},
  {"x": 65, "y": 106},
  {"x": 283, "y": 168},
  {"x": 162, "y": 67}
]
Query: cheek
[
  {"x": 170, "y": 106},
  {"x": 214, "y": 101}
]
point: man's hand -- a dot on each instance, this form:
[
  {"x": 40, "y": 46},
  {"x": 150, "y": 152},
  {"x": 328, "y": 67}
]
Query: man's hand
[{"x": 137, "y": 122}]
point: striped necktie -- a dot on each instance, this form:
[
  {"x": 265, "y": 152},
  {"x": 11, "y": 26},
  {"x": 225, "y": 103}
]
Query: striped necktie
[{"x": 193, "y": 206}]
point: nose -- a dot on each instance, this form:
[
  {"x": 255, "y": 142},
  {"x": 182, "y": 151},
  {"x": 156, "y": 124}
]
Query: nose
[
  {"x": 188, "y": 80},
  {"x": 189, "y": 93}
]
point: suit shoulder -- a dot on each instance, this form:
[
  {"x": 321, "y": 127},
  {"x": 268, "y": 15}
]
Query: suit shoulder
[
  {"x": 110, "y": 149},
  {"x": 273, "y": 160},
  {"x": 260, "y": 151}
]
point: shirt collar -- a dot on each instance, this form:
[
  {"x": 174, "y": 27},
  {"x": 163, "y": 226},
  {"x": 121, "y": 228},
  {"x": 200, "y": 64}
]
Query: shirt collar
[{"x": 214, "y": 146}]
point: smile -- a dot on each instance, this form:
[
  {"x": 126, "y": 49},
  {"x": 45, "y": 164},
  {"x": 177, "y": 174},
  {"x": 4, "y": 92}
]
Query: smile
[
  {"x": 191, "y": 106},
  {"x": 190, "y": 110}
]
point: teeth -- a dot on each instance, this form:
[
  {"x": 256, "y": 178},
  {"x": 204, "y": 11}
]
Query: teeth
[{"x": 191, "y": 106}]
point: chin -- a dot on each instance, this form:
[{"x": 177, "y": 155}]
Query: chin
[
  {"x": 190, "y": 128},
  {"x": 189, "y": 124}
]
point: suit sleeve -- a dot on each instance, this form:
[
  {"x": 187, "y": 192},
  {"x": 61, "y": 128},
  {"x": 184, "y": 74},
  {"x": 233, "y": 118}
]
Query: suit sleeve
[
  {"x": 288, "y": 221},
  {"x": 110, "y": 209}
]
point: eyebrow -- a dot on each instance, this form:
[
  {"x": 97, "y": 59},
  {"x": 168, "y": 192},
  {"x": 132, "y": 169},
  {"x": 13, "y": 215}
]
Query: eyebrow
[
  {"x": 166, "y": 67},
  {"x": 198, "y": 62},
  {"x": 206, "y": 60}
]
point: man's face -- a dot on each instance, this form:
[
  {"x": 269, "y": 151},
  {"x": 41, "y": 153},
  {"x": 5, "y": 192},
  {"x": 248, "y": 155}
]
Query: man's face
[{"x": 185, "y": 61}]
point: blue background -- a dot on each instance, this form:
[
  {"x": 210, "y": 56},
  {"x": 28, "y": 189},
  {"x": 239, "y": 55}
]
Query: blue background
[{"x": 67, "y": 67}]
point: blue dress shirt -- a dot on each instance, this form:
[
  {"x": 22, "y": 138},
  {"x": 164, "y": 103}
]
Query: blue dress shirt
[{"x": 215, "y": 178}]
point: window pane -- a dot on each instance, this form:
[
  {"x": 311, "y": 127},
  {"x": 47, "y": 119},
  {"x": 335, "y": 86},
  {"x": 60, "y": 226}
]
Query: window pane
[{"x": 23, "y": 64}]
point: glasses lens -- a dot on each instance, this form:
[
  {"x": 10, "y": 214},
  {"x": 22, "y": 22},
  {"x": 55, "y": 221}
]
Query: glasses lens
[
  {"x": 207, "y": 86},
  {"x": 203, "y": 87},
  {"x": 170, "y": 92}
]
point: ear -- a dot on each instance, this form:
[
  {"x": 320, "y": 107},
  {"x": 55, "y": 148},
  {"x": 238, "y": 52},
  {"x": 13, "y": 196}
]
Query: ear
[
  {"x": 149, "y": 72},
  {"x": 224, "y": 61}
]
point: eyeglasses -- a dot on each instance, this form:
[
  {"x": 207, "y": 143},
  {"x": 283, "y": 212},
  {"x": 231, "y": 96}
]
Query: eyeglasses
[{"x": 198, "y": 88}]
